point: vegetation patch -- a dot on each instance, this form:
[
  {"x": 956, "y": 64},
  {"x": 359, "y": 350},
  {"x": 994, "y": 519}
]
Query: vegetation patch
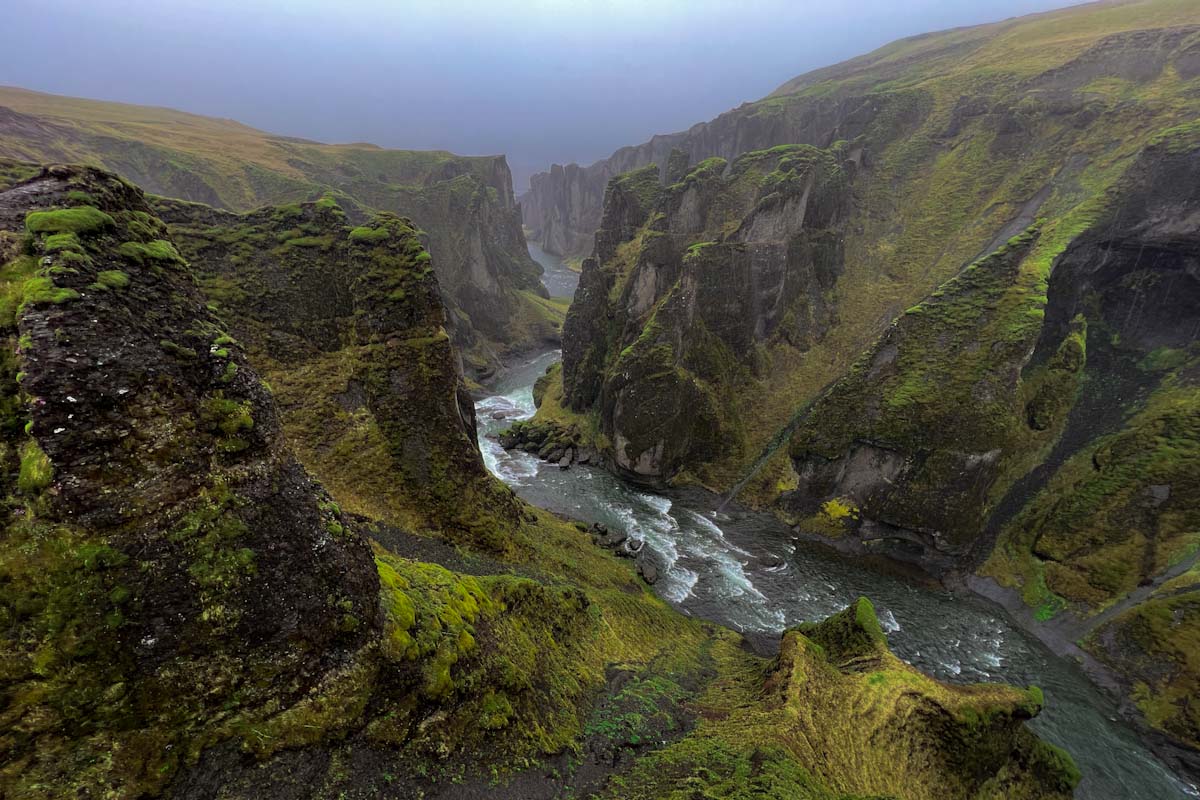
[{"x": 77, "y": 220}]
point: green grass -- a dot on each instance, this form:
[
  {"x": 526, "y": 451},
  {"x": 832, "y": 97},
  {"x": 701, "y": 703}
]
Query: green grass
[
  {"x": 112, "y": 279},
  {"x": 78, "y": 220},
  {"x": 158, "y": 250}
]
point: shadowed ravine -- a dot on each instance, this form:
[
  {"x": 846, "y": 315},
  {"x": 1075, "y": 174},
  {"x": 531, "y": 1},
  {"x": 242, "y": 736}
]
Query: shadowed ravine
[{"x": 749, "y": 572}]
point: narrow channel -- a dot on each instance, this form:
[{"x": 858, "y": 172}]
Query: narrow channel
[{"x": 746, "y": 570}]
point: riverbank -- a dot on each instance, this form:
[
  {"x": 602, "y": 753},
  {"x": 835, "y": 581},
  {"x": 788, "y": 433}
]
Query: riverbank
[{"x": 750, "y": 572}]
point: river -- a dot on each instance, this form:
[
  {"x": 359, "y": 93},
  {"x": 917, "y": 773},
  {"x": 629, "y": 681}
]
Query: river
[{"x": 747, "y": 571}]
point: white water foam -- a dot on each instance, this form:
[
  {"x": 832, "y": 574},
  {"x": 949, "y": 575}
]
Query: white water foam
[
  {"x": 712, "y": 527},
  {"x": 888, "y": 621},
  {"x": 679, "y": 584}
]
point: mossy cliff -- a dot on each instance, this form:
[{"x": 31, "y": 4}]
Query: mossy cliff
[
  {"x": 492, "y": 288},
  {"x": 1070, "y": 64},
  {"x": 689, "y": 286},
  {"x": 1036, "y": 419},
  {"x": 169, "y": 572},
  {"x": 346, "y": 323},
  {"x": 978, "y": 354},
  {"x": 836, "y": 715},
  {"x": 190, "y": 615},
  {"x": 945, "y": 155}
]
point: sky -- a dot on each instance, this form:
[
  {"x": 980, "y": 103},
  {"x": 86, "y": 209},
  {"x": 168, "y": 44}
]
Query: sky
[{"x": 543, "y": 81}]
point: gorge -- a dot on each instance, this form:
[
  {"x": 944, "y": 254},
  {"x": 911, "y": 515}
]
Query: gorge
[{"x": 845, "y": 446}]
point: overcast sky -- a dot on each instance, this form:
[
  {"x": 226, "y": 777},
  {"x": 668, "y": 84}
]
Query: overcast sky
[{"x": 540, "y": 80}]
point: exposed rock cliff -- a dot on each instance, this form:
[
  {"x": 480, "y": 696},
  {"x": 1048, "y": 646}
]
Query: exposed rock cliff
[
  {"x": 688, "y": 285},
  {"x": 465, "y": 205},
  {"x": 1053, "y": 435},
  {"x": 346, "y": 324},
  {"x": 167, "y": 566},
  {"x": 939, "y": 180}
]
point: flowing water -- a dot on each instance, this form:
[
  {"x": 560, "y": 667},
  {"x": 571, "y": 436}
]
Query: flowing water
[
  {"x": 747, "y": 571},
  {"x": 560, "y": 280}
]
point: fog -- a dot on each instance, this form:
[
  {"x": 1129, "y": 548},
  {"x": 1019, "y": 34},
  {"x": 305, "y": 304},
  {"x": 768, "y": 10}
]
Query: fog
[{"x": 542, "y": 80}]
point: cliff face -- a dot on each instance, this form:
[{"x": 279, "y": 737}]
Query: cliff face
[
  {"x": 971, "y": 347},
  {"x": 464, "y": 205},
  {"x": 688, "y": 284},
  {"x": 167, "y": 566},
  {"x": 941, "y": 179},
  {"x": 1069, "y": 50},
  {"x": 1051, "y": 437},
  {"x": 565, "y": 207},
  {"x": 346, "y": 324}
]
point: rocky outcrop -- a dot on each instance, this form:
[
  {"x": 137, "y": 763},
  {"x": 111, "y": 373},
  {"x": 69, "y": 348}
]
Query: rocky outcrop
[
  {"x": 167, "y": 566},
  {"x": 834, "y": 688},
  {"x": 463, "y": 205},
  {"x": 687, "y": 283},
  {"x": 347, "y": 324}
]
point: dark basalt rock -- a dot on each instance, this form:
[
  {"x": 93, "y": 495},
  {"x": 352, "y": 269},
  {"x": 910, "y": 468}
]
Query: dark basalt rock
[
  {"x": 350, "y": 323},
  {"x": 647, "y": 570},
  {"x": 664, "y": 324},
  {"x": 173, "y": 547}
]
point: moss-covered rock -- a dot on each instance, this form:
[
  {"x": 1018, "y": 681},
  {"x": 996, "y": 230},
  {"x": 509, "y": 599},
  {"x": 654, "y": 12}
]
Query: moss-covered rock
[
  {"x": 166, "y": 569},
  {"x": 837, "y": 715},
  {"x": 689, "y": 282},
  {"x": 352, "y": 338}
]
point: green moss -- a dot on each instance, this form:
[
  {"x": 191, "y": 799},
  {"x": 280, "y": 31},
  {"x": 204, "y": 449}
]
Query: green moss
[
  {"x": 62, "y": 241},
  {"x": 111, "y": 279},
  {"x": 369, "y": 235},
  {"x": 158, "y": 250},
  {"x": 41, "y": 290},
  {"x": 36, "y": 471},
  {"x": 78, "y": 220},
  {"x": 641, "y": 184},
  {"x": 178, "y": 350},
  {"x": 230, "y": 419}
]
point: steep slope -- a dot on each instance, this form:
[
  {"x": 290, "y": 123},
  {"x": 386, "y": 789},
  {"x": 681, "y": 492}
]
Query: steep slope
[
  {"x": 465, "y": 205},
  {"x": 1071, "y": 47},
  {"x": 937, "y": 178},
  {"x": 350, "y": 350},
  {"x": 168, "y": 568},
  {"x": 191, "y": 615},
  {"x": 1027, "y": 192},
  {"x": 1058, "y": 429},
  {"x": 690, "y": 284}
]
